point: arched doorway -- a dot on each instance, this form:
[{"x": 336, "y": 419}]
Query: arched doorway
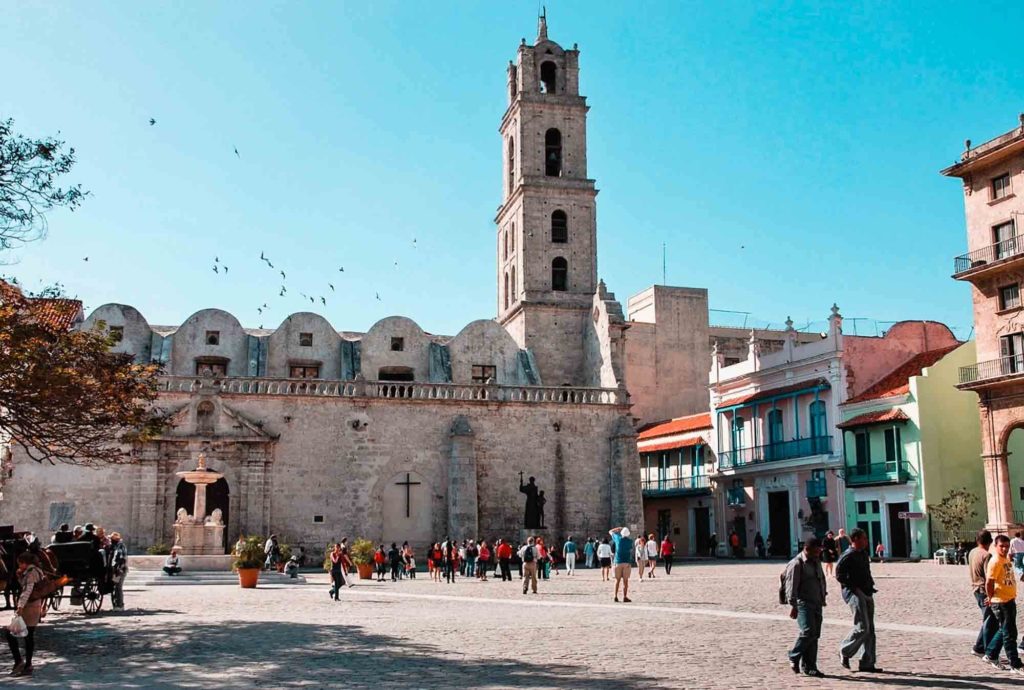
[{"x": 218, "y": 495}]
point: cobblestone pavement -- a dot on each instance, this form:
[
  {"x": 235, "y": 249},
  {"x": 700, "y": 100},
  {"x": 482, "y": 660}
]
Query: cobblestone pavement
[{"x": 706, "y": 626}]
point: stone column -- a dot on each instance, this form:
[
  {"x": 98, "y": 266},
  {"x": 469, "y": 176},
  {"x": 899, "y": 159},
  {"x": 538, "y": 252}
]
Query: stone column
[
  {"x": 624, "y": 478},
  {"x": 463, "y": 518},
  {"x": 997, "y": 492}
]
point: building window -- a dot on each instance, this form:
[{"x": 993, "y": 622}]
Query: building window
[
  {"x": 737, "y": 432},
  {"x": 1004, "y": 236},
  {"x": 1011, "y": 353},
  {"x": 207, "y": 368},
  {"x": 559, "y": 227},
  {"x": 305, "y": 340},
  {"x": 394, "y": 374},
  {"x": 559, "y": 274},
  {"x": 775, "y": 434},
  {"x": 213, "y": 337},
  {"x": 505, "y": 242},
  {"x": 863, "y": 447},
  {"x": 729, "y": 361},
  {"x": 553, "y": 153},
  {"x": 482, "y": 373},
  {"x": 515, "y": 289},
  {"x": 1009, "y": 297},
  {"x": 397, "y": 344},
  {"x": 506, "y": 290},
  {"x": 513, "y": 238},
  {"x": 893, "y": 447},
  {"x": 548, "y": 77},
  {"x": 511, "y": 164},
  {"x": 304, "y": 371},
  {"x": 819, "y": 420},
  {"x": 317, "y": 519},
  {"x": 1001, "y": 186},
  {"x": 116, "y": 334}
]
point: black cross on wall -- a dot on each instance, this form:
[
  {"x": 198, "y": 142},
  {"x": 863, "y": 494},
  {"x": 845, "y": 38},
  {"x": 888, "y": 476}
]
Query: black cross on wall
[{"x": 408, "y": 484}]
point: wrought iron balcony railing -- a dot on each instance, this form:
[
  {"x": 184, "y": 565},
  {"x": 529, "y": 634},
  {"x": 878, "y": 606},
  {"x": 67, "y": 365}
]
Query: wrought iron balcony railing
[
  {"x": 891, "y": 472},
  {"x": 772, "y": 452},
  {"x": 992, "y": 369},
  {"x": 697, "y": 483},
  {"x": 986, "y": 255}
]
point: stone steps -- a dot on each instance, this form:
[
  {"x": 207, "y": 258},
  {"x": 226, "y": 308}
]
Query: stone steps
[{"x": 158, "y": 578}]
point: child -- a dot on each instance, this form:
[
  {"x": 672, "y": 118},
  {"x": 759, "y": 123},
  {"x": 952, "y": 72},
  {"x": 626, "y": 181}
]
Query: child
[{"x": 880, "y": 552}]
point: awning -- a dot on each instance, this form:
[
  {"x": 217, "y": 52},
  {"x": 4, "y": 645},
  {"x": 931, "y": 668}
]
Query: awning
[
  {"x": 670, "y": 445},
  {"x": 868, "y": 418}
]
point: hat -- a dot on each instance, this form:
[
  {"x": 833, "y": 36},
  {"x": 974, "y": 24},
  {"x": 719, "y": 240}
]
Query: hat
[{"x": 624, "y": 532}]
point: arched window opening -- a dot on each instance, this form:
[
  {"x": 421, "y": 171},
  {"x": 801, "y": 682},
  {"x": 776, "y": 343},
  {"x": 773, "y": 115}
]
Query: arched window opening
[
  {"x": 511, "y": 164},
  {"x": 513, "y": 237},
  {"x": 553, "y": 153},
  {"x": 548, "y": 72},
  {"x": 506, "y": 289},
  {"x": 505, "y": 237},
  {"x": 559, "y": 227},
  {"x": 515, "y": 286},
  {"x": 559, "y": 274},
  {"x": 204, "y": 417}
]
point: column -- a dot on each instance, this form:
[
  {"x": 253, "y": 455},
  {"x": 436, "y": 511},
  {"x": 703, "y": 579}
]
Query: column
[
  {"x": 463, "y": 516},
  {"x": 997, "y": 492},
  {"x": 624, "y": 478}
]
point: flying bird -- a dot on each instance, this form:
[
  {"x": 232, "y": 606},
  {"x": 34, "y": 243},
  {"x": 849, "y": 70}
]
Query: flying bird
[
  {"x": 225, "y": 270},
  {"x": 269, "y": 264},
  {"x": 85, "y": 259},
  {"x": 152, "y": 122},
  {"x": 216, "y": 260},
  {"x": 378, "y": 295},
  {"x": 330, "y": 286},
  {"x": 259, "y": 309},
  {"x": 342, "y": 269},
  {"x": 312, "y": 301},
  {"x": 282, "y": 293},
  {"x": 236, "y": 152},
  {"x": 264, "y": 305},
  {"x": 283, "y": 276},
  {"x": 324, "y": 301},
  {"x": 215, "y": 270},
  {"x": 262, "y": 258}
]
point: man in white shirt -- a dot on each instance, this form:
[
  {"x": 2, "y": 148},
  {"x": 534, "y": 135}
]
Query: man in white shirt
[
  {"x": 1017, "y": 553},
  {"x": 652, "y": 554}
]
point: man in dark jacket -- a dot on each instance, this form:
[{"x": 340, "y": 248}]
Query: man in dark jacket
[
  {"x": 805, "y": 591},
  {"x": 854, "y": 573}
]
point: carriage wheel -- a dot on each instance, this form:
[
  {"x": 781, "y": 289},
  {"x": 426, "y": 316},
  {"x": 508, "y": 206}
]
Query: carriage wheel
[
  {"x": 55, "y": 599},
  {"x": 92, "y": 599}
]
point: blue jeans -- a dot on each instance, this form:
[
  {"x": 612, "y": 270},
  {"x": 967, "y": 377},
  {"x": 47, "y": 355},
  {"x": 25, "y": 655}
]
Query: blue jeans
[
  {"x": 808, "y": 619},
  {"x": 470, "y": 566},
  {"x": 862, "y": 636},
  {"x": 989, "y": 625},
  {"x": 1006, "y": 617}
]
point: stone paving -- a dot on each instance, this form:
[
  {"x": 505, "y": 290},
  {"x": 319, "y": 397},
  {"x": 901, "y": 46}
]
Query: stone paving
[{"x": 714, "y": 625}]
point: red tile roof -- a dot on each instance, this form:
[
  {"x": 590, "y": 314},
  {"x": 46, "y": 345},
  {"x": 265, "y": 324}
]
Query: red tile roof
[
  {"x": 57, "y": 314},
  {"x": 894, "y": 415},
  {"x": 650, "y": 447},
  {"x": 897, "y": 381},
  {"x": 772, "y": 393},
  {"x": 678, "y": 425}
]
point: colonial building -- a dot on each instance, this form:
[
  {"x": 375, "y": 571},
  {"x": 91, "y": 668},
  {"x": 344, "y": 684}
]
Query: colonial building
[
  {"x": 992, "y": 174},
  {"x": 396, "y": 434},
  {"x": 908, "y": 440}
]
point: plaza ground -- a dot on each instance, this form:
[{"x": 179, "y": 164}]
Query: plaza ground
[{"x": 712, "y": 625}]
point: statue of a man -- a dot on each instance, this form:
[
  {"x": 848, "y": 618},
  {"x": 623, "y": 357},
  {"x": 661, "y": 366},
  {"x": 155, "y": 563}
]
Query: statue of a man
[{"x": 531, "y": 516}]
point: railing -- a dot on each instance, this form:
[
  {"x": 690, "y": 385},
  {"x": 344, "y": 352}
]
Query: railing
[
  {"x": 786, "y": 450},
  {"x": 817, "y": 488},
  {"x": 736, "y": 496},
  {"x": 693, "y": 483},
  {"x": 394, "y": 390},
  {"x": 992, "y": 369},
  {"x": 986, "y": 255},
  {"x": 892, "y": 472}
]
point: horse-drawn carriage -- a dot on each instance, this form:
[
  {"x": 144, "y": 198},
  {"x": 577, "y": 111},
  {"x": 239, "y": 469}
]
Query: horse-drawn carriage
[{"x": 78, "y": 566}]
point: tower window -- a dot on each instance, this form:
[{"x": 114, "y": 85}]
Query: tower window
[
  {"x": 515, "y": 287},
  {"x": 513, "y": 238},
  {"x": 213, "y": 337},
  {"x": 505, "y": 236},
  {"x": 116, "y": 334},
  {"x": 548, "y": 72},
  {"x": 397, "y": 344},
  {"x": 559, "y": 274},
  {"x": 553, "y": 153},
  {"x": 511, "y": 164},
  {"x": 559, "y": 227},
  {"x": 305, "y": 340},
  {"x": 482, "y": 373},
  {"x": 506, "y": 289}
]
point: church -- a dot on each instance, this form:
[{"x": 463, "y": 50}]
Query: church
[{"x": 396, "y": 434}]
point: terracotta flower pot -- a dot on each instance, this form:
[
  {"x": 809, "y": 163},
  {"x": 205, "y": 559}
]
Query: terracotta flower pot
[
  {"x": 365, "y": 571},
  {"x": 247, "y": 577},
  {"x": 280, "y": 567}
]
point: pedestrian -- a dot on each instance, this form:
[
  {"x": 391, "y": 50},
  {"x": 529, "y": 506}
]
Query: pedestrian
[
  {"x": 408, "y": 561},
  {"x": 171, "y": 564},
  {"x": 117, "y": 566},
  {"x": 395, "y": 561},
  {"x": 462, "y": 558},
  {"x": 31, "y": 610},
  {"x": 806, "y": 594},
  {"x": 977, "y": 559},
  {"x": 588, "y": 552},
  {"x": 63, "y": 535},
  {"x": 542, "y": 558},
  {"x": 639, "y": 555},
  {"x": 472, "y": 554},
  {"x": 842, "y": 541},
  {"x": 504, "y": 552},
  {"x": 517, "y": 560},
  {"x": 828, "y": 552},
  {"x": 853, "y": 571},
  {"x": 880, "y": 552},
  {"x": 569, "y": 554},
  {"x": 346, "y": 562},
  {"x": 436, "y": 562},
  {"x": 1017, "y": 553},
  {"x": 604, "y": 558},
  {"x": 735, "y": 544},
  {"x": 450, "y": 556},
  {"x": 336, "y": 566},
  {"x": 483, "y": 556},
  {"x": 713, "y": 545},
  {"x": 1001, "y": 596},
  {"x": 380, "y": 560},
  {"x": 528, "y": 557},
  {"x": 272, "y": 550},
  {"x": 668, "y": 550},
  {"x": 623, "y": 555},
  {"x": 652, "y": 554},
  {"x": 759, "y": 546}
]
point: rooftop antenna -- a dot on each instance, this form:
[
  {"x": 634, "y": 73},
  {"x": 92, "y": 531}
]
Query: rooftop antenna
[{"x": 664, "y": 263}]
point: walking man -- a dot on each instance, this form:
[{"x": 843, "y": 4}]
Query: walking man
[
  {"x": 569, "y": 554},
  {"x": 504, "y": 554},
  {"x": 854, "y": 573},
  {"x": 805, "y": 591},
  {"x": 1001, "y": 596},
  {"x": 623, "y": 555},
  {"x": 977, "y": 559},
  {"x": 588, "y": 552},
  {"x": 528, "y": 557}
]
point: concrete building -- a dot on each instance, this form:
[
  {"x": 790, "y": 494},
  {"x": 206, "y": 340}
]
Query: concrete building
[
  {"x": 992, "y": 174},
  {"x": 908, "y": 440},
  {"x": 780, "y": 457},
  {"x": 395, "y": 434}
]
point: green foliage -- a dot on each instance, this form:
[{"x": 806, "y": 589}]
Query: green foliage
[
  {"x": 362, "y": 551},
  {"x": 248, "y": 553},
  {"x": 955, "y": 509},
  {"x": 159, "y": 549},
  {"x": 286, "y": 551}
]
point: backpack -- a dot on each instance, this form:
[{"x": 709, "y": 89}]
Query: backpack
[
  {"x": 528, "y": 555},
  {"x": 783, "y": 600}
]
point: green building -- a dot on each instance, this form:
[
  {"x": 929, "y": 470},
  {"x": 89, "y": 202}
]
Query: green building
[{"x": 908, "y": 440}]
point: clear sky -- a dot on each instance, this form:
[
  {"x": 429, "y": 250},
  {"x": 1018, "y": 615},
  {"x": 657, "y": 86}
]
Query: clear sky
[{"x": 786, "y": 154}]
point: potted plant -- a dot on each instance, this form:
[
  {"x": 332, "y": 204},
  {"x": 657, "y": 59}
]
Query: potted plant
[
  {"x": 248, "y": 559},
  {"x": 285, "y": 551},
  {"x": 362, "y": 555}
]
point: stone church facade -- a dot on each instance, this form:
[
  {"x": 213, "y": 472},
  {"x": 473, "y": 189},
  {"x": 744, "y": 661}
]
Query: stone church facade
[{"x": 396, "y": 434}]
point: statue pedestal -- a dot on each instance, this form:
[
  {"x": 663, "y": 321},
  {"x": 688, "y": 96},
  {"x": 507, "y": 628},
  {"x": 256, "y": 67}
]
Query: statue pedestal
[
  {"x": 199, "y": 540},
  {"x": 525, "y": 534}
]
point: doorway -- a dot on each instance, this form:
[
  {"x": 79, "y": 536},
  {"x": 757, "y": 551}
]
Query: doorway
[
  {"x": 218, "y": 495},
  {"x": 899, "y": 532},
  {"x": 779, "y": 523},
  {"x": 702, "y": 531},
  {"x": 664, "y": 523}
]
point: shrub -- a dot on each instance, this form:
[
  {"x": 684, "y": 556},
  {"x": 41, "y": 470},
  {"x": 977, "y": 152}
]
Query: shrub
[
  {"x": 159, "y": 549},
  {"x": 248, "y": 553},
  {"x": 362, "y": 551}
]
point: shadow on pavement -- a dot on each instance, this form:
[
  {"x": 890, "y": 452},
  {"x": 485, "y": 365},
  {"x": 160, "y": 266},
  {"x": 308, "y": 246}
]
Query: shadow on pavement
[{"x": 929, "y": 680}]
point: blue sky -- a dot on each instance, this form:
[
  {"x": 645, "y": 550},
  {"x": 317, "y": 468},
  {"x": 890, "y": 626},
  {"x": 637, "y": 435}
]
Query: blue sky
[{"x": 786, "y": 153}]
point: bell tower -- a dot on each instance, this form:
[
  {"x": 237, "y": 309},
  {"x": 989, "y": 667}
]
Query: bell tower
[{"x": 546, "y": 224}]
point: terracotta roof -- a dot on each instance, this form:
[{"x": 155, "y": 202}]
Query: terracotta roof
[
  {"x": 894, "y": 415},
  {"x": 651, "y": 447},
  {"x": 57, "y": 314},
  {"x": 678, "y": 425},
  {"x": 772, "y": 393},
  {"x": 897, "y": 381}
]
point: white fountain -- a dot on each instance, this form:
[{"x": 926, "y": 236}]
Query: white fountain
[{"x": 197, "y": 534}]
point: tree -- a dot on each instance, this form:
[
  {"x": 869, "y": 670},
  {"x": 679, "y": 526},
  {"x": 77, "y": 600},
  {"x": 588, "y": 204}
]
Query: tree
[
  {"x": 29, "y": 172},
  {"x": 955, "y": 509},
  {"x": 64, "y": 395}
]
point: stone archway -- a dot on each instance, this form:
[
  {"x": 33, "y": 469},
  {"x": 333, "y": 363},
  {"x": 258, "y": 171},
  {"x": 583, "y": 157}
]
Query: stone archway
[{"x": 218, "y": 497}]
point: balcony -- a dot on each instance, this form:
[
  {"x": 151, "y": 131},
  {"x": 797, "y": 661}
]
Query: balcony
[
  {"x": 694, "y": 485},
  {"x": 736, "y": 496},
  {"x": 990, "y": 372},
  {"x": 892, "y": 472},
  {"x": 773, "y": 452},
  {"x": 988, "y": 259},
  {"x": 816, "y": 488}
]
